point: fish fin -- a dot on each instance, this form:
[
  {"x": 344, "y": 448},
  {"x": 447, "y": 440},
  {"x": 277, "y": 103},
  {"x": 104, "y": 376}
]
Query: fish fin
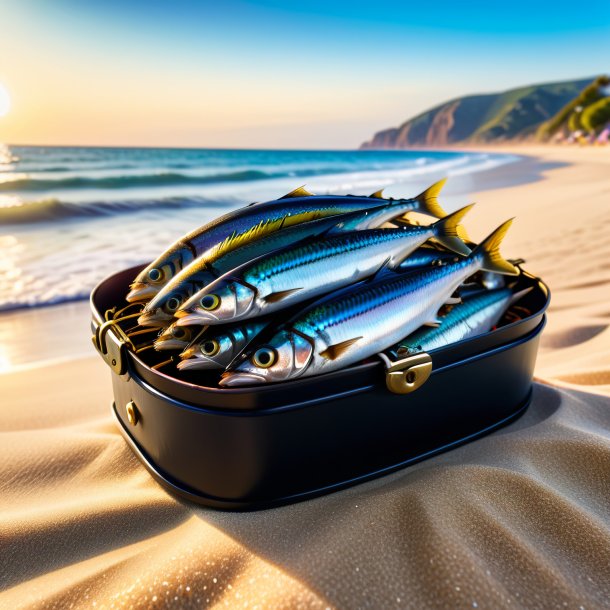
[
  {"x": 446, "y": 231},
  {"x": 519, "y": 295},
  {"x": 433, "y": 323},
  {"x": 462, "y": 233},
  {"x": 489, "y": 250},
  {"x": 332, "y": 352},
  {"x": 428, "y": 200},
  {"x": 382, "y": 268},
  {"x": 275, "y": 297},
  {"x": 301, "y": 191},
  {"x": 377, "y": 194}
]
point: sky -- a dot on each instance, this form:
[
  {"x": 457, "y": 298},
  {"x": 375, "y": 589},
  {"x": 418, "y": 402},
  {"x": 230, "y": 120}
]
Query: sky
[{"x": 272, "y": 74}]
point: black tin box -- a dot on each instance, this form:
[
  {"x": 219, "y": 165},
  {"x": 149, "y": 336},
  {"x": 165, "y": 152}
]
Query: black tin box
[{"x": 254, "y": 448}]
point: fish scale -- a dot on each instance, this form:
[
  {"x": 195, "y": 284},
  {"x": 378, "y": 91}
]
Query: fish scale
[
  {"x": 356, "y": 323},
  {"x": 295, "y": 274},
  {"x": 475, "y": 315},
  {"x": 225, "y": 257},
  {"x": 327, "y": 250},
  {"x": 381, "y": 314},
  {"x": 256, "y": 221}
]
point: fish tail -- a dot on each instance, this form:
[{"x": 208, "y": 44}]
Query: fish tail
[
  {"x": 489, "y": 251},
  {"x": 447, "y": 231},
  {"x": 428, "y": 200}
]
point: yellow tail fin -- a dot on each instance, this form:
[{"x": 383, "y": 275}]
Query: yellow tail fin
[
  {"x": 428, "y": 200},
  {"x": 489, "y": 250},
  {"x": 448, "y": 231}
]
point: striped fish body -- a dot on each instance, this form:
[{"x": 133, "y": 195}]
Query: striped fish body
[
  {"x": 378, "y": 315},
  {"x": 358, "y": 322},
  {"x": 295, "y": 210},
  {"x": 333, "y": 262},
  {"x": 344, "y": 328},
  {"x": 237, "y": 228},
  {"x": 293, "y": 275},
  {"x": 256, "y": 221},
  {"x": 472, "y": 317},
  {"x": 159, "y": 311}
]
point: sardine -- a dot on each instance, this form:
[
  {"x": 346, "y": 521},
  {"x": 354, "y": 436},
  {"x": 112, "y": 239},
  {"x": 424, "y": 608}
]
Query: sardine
[
  {"x": 219, "y": 346},
  {"x": 160, "y": 310},
  {"x": 358, "y": 323},
  {"x": 176, "y": 337},
  {"x": 474, "y": 316},
  {"x": 423, "y": 257},
  {"x": 295, "y": 274},
  {"x": 256, "y": 221}
]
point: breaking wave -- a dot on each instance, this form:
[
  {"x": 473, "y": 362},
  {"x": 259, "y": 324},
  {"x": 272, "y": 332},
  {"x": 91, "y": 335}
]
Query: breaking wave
[
  {"x": 24, "y": 183},
  {"x": 46, "y": 210}
]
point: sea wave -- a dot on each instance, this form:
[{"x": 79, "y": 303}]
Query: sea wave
[
  {"x": 42, "y": 301},
  {"x": 27, "y": 183},
  {"x": 46, "y": 210}
]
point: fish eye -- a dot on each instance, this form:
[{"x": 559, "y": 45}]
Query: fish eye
[
  {"x": 179, "y": 332},
  {"x": 210, "y": 302},
  {"x": 173, "y": 303},
  {"x": 155, "y": 275},
  {"x": 210, "y": 347},
  {"x": 264, "y": 357}
]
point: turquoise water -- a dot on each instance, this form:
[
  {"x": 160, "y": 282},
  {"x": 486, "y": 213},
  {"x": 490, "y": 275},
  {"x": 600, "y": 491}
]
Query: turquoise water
[{"x": 70, "y": 216}]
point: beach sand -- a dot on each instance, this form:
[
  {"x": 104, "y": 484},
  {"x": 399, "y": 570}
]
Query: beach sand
[{"x": 520, "y": 518}]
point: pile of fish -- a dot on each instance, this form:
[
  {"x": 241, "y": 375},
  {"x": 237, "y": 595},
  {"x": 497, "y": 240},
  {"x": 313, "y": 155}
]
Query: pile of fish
[{"x": 308, "y": 284}]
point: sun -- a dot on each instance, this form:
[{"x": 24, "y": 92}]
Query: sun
[{"x": 5, "y": 101}]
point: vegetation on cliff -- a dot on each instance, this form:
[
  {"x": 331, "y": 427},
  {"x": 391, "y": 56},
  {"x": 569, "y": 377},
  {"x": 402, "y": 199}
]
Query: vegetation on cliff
[{"x": 537, "y": 112}]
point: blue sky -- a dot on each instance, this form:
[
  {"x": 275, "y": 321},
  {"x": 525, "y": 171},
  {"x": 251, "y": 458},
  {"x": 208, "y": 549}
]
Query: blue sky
[{"x": 311, "y": 74}]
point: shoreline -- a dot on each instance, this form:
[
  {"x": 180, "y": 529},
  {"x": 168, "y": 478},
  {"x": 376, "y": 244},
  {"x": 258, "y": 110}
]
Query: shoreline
[{"x": 59, "y": 330}]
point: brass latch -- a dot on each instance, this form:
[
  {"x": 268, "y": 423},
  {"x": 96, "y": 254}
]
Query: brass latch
[
  {"x": 111, "y": 342},
  {"x": 407, "y": 374}
]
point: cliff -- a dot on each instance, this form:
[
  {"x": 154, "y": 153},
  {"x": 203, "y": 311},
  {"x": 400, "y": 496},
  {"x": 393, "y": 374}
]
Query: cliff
[{"x": 516, "y": 114}]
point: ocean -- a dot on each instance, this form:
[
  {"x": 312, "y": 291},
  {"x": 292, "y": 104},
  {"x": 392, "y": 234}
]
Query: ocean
[{"x": 70, "y": 216}]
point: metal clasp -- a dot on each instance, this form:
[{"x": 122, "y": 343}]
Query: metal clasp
[
  {"x": 407, "y": 374},
  {"x": 111, "y": 341}
]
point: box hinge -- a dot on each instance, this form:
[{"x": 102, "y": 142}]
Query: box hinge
[
  {"x": 112, "y": 343},
  {"x": 407, "y": 374}
]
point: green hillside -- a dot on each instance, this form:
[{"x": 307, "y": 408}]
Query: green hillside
[{"x": 534, "y": 112}]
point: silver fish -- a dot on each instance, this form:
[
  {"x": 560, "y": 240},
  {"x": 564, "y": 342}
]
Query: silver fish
[
  {"x": 423, "y": 257},
  {"x": 160, "y": 310},
  {"x": 176, "y": 337},
  {"x": 219, "y": 346},
  {"x": 256, "y": 221},
  {"x": 474, "y": 316},
  {"x": 358, "y": 323},
  {"x": 295, "y": 274}
]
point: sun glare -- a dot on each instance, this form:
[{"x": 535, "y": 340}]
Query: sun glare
[{"x": 5, "y": 101}]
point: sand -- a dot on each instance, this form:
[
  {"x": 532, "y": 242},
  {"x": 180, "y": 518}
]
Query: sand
[{"x": 520, "y": 518}]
